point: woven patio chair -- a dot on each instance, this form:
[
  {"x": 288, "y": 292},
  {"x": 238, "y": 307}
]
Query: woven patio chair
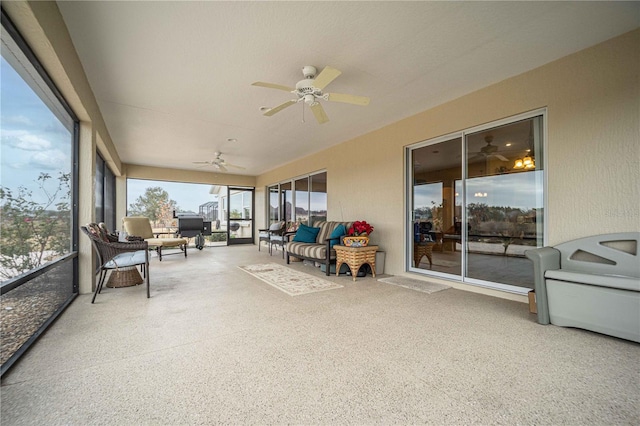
[{"x": 115, "y": 255}]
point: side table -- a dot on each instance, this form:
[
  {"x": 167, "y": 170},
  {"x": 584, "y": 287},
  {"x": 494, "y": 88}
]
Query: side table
[{"x": 355, "y": 257}]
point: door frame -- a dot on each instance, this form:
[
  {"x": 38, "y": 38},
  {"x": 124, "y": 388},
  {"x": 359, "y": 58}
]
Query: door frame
[
  {"x": 408, "y": 216},
  {"x": 247, "y": 240}
]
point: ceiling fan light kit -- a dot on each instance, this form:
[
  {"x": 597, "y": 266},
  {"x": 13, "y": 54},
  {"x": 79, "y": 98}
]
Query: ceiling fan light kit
[{"x": 309, "y": 91}]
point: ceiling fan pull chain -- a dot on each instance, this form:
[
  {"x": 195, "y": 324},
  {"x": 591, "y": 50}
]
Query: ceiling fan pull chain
[{"x": 302, "y": 103}]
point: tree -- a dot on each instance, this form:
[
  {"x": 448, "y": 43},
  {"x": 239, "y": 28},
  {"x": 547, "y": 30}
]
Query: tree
[
  {"x": 34, "y": 232},
  {"x": 154, "y": 204}
]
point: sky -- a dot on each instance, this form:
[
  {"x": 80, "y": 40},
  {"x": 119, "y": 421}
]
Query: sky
[{"x": 33, "y": 140}]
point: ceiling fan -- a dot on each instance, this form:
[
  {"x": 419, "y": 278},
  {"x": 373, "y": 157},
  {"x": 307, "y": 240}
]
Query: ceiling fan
[
  {"x": 488, "y": 151},
  {"x": 218, "y": 162},
  {"x": 310, "y": 91}
]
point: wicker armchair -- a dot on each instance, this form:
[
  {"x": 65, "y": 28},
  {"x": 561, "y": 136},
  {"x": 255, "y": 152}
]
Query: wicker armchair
[{"x": 114, "y": 255}]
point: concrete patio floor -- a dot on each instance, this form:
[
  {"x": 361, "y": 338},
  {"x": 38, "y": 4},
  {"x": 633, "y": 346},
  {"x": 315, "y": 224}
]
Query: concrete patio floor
[{"x": 215, "y": 345}]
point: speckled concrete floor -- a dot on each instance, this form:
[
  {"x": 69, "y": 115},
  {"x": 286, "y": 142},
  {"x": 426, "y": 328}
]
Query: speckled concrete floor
[{"x": 216, "y": 345}]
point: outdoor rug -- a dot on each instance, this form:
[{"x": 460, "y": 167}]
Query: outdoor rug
[
  {"x": 418, "y": 285},
  {"x": 292, "y": 282}
]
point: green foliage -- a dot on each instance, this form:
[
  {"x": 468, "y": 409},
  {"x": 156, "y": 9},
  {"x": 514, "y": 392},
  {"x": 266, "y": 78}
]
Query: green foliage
[
  {"x": 30, "y": 229},
  {"x": 154, "y": 204},
  {"x": 217, "y": 237}
]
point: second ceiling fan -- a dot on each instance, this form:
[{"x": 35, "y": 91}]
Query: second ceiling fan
[{"x": 310, "y": 91}]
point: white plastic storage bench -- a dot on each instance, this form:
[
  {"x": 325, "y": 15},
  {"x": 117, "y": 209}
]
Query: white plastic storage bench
[{"x": 591, "y": 283}]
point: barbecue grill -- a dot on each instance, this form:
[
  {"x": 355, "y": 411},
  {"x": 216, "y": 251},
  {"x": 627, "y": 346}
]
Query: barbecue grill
[{"x": 191, "y": 225}]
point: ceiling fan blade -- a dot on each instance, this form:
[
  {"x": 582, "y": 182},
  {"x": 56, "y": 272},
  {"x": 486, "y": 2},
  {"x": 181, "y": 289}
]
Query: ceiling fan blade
[
  {"x": 202, "y": 162},
  {"x": 501, "y": 157},
  {"x": 279, "y": 108},
  {"x": 273, "y": 86},
  {"x": 234, "y": 166},
  {"x": 348, "y": 99},
  {"x": 221, "y": 167},
  {"x": 318, "y": 111},
  {"x": 327, "y": 75}
]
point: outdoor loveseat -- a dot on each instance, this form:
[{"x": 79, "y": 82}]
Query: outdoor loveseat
[
  {"x": 591, "y": 283},
  {"x": 320, "y": 250}
]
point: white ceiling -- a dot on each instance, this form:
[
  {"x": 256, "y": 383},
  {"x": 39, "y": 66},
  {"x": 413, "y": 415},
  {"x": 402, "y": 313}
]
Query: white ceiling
[{"x": 173, "y": 79}]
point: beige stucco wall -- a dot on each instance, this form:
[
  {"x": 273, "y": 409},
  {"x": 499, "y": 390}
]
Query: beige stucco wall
[{"x": 593, "y": 148}]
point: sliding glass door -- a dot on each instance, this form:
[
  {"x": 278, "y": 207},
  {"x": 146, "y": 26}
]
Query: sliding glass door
[
  {"x": 436, "y": 168},
  {"x": 504, "y": 203},
  {"x": 476, "y": 203}
]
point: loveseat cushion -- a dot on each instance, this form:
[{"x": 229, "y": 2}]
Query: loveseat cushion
[
  {"x": 122, "y": 260},
  {"x": 326, "y": 228},
  {"x": 312, "y": 251},
  {"x": 318, "y": 249}
]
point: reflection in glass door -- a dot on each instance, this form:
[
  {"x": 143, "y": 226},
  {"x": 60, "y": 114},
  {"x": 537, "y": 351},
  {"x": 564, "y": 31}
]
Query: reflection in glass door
[
  {"x": 436, "y": 168},
  {"x": 274, "y": 203},
  {"x": 504, "y": 204},
  {"x": 318, "y": 197},
  {"x": 240, "y": 215},
  {"x": 476, "y": 203},
  {"x": 302, "y": 200}
]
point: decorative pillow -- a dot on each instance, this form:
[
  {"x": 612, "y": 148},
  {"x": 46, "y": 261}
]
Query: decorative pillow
[
  {"x": 306, "y": 234},
  {"x": 293, "y": 227},
  {"x": 106, "y": 235},
  {"x": 96, "y": 231},
  {"x": 337, "y": 234}
]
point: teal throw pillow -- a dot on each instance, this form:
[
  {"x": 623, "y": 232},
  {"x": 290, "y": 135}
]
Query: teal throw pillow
[
  {"x": 306, "y": 234},
  {"x": 337, "y": 233}
]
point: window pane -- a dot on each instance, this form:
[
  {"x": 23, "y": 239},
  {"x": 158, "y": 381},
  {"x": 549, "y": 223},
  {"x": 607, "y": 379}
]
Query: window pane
[
  {"x": 36, "y": 157},
  {"x": 109, "y": 198},
  {"x": 437, "y": 169},
  {"x": 274, "y": 214},
  {"x": 302, "y": 200},
  {"x": 26, "y": 308},
  {"x": 35, "y": 174},
  {"x": 318, "y": 197},
  {"x": 286, "y": 200},
  {"x": 99, "y": 189},
  {"x": 504, "y": 201}
]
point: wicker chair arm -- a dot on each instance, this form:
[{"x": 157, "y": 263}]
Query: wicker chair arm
[{"x": 129, "y": 246}]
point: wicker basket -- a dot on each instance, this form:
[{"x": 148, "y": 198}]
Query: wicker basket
[
  {"x": 356, "y": 241},
  {"x": 124, "y": 277}
]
